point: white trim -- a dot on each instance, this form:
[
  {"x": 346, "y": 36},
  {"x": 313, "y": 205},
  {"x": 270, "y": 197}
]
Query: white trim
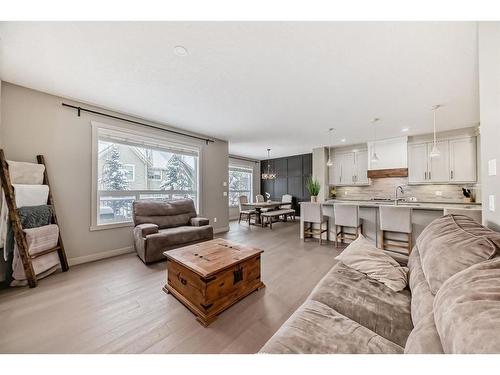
[
  {"x": 221, "y": 230},
  {"x": 100, "y": 255}
]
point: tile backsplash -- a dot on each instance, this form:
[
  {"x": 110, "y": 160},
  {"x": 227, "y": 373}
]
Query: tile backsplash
[{"x": 385, "y": 188}]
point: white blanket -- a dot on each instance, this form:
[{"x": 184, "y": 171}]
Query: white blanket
[
  {"x": 38, "y": 240},
  {"x": 20, "y": 173}
]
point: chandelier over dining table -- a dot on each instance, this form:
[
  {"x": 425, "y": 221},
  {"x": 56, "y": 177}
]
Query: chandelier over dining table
[{"x": 268, "y": 174}]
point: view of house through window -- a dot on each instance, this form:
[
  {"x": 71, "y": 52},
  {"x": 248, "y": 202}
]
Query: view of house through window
[
  {"x": 240, "y": 183},
  {"x": 128, "y": 171}
]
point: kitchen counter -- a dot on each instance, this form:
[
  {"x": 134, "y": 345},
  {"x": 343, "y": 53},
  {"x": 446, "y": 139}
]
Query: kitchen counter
[
  {"x": 437, "y": 206},
  {"x": 423, "y": 214}
]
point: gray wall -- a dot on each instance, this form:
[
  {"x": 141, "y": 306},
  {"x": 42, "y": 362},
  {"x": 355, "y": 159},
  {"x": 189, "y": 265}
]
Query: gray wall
[
  {"x": 36, "y": 123},
  {"x": 489, "y": 94}
]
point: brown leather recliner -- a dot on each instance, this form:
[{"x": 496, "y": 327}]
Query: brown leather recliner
[{"x": 165, "y": 225}]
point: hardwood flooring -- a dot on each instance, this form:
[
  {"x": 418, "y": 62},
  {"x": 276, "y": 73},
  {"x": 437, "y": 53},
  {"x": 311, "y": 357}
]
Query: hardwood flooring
[{"x": 117, "y": 305}]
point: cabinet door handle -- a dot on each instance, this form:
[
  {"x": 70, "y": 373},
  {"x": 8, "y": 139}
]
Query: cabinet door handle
[
  {"x": 425, "y": 175},
  {"x": 429, "y": 175},
  {"x": 451, "y": 174}
]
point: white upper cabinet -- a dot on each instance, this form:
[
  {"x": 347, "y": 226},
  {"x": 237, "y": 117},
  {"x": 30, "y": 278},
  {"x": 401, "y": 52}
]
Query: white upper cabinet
[
  {"x": 392, "y": 153},
  {"x": 349, "y": 168},
  {"x": 362, "y": 168},
  {"x": 455, "y": 164},
  {"x": 463, "y": 160},
  {"x": 417, "y": 162},
  {"x": 439, "y": 166}
]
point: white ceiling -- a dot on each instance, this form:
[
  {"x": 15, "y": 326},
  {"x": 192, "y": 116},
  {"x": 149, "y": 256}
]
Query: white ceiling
[{"x": 258, "y": 84}]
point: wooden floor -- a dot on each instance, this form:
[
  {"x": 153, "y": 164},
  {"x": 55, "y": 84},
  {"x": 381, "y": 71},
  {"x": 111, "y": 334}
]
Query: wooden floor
[{"x": 117, "y": 305}]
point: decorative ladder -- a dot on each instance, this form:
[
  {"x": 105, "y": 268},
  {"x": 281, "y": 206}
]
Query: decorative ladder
[{"x": 16, "y": 222}]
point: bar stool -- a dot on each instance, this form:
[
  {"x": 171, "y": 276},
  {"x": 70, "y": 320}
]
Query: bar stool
[
  {"x": 313, "y": 214},
  {"x": 396, "y": 219},
  {"x": 346, "y": 215},
  {"x": 473, "y": 214}
]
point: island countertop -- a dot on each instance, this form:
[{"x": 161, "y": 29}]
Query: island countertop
[{"x": 417, "y": 205}]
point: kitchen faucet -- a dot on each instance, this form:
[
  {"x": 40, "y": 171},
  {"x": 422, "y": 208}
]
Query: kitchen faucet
[{"x": 399, "y": 187}]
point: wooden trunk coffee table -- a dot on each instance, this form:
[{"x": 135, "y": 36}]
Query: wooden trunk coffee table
[{"x": 211, "y": 276}]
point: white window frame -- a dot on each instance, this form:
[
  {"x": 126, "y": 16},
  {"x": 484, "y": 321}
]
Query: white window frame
[
  {"x": 133, "y": 172},
  {"x": 250, "y": 170},
  {"x": 140, "y": 135},
  {"x": 155, "y": 170}
]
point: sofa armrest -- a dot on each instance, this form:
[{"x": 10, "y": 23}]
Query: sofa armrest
[
  {"x": 199, "y": 221},
  {"x": 146, "y": 229}
]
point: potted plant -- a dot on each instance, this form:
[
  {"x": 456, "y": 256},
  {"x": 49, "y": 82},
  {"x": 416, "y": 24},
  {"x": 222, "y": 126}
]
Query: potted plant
[{"x": 313, "y": 187}]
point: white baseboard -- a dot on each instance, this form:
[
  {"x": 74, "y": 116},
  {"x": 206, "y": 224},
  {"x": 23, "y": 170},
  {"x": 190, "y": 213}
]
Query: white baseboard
[
  {"x": 101, "y": 255},
  {"x": 221, "y": 230}
]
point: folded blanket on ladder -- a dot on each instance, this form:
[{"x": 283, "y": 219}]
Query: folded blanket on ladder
[{"x": 38, "y": 240}]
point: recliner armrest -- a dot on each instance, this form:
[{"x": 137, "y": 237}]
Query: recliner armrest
[
  {"x": 199, "y": 221},
  {"x": 147, "y": 229}
]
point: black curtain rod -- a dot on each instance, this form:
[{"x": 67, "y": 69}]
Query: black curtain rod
[
  {"x": 238, "y": 158},
  {"x": 81, "y": 109}
]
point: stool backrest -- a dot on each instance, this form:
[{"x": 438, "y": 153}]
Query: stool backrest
[
  {"x": 242, "y": 200},
  {"x": 395, "y": 219},
  {"x": 475, "y": 215},
  {"x": 259, "y": 198},
  {"x": 287, "y": 198},
  {"x": 311, "y": 212},
  {"x": 346, "y": 215}
]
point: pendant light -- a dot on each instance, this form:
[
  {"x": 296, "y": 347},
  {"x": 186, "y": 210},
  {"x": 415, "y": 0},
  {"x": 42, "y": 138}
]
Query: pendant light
[
  {"x": 268, "y": 175},
  {"x": 329, "y": 163},
  {"x": 435, "y": 151},
  {"x": 374, "y": 157}
]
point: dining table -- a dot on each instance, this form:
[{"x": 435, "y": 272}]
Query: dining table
[{"x": 258, "y": 206}]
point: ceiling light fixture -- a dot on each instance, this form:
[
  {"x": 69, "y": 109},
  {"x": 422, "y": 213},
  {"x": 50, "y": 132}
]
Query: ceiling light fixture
[
  {"x": 404, "y": 130},
  {"x": 329, "y": 163},
  {"x": 342, "y": 140},
  {"x": 268, "y": 175},
  {"x": 180, "y": 51},
  {"x": 374, "y": 157},
  {"x": 435, "y": 151}
]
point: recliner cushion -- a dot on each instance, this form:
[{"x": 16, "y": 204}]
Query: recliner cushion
[
  {"x": 366, "y": 301},
  {"x": 421, "y": 296},
  {"x": 168, "y": 238},
  {"x": 424, "y": 338},
  {"x": 451, "y": 244}
]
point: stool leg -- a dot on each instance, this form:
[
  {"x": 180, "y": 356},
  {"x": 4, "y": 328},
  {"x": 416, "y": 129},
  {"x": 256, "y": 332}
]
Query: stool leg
[
  {"x": 410, "y": 245},
  {"x": 383, "y": 239}
]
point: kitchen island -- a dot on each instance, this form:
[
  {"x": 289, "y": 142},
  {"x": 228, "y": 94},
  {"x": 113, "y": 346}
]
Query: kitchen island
[{"x": 422, "y": 214}]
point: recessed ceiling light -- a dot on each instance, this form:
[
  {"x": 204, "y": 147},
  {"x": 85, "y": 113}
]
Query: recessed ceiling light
[
  {"x": 342, "y": 140},
  {"x": 405, "y": 129},
  {"x": 180, "y": 51}
]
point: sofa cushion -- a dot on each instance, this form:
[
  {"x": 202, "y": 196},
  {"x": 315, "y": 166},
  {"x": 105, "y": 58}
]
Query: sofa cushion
[
  {"x": 467, "y": 310},
  {"x": 365, "y": 257},
  {"x": 317, "y": 329},
  {"x": 451, "y": 244},
  {"x": 421, "y": 296},
  {"x": 366, "y": 301},
  {"x": 168, "y": 238},
  {"x": 165, "y": 214},
  {"x": 424, "y": 338}
]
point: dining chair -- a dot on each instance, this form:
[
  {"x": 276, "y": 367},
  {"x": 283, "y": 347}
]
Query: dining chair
[
  {"x": 259, "y": 198},
  {"x": 244, "y": 211},
  {"x": 287, "y": 208}
]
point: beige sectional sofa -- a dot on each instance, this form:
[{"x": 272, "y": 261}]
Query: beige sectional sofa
[{"x": 451, "y": 303}]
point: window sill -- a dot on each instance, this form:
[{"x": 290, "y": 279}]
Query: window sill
[{"x": 98, "y": 227}]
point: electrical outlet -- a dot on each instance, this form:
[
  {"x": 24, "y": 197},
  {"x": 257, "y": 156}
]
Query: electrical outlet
[
  {"x": 491, "y": 202},
  {"x": 439, "y": 193},
  {"x": 345, "y": 192},
  {"x": 224, "y": 184},
  {"x": 215, "y": 219},
  {"x": 225, "y": 194}
]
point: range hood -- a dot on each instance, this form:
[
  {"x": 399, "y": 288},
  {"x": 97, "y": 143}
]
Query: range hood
[{"x": 392, "y": 156}]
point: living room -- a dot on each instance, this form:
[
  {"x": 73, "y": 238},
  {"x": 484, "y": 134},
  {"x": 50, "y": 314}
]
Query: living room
[{"x": 250, "y": 186}]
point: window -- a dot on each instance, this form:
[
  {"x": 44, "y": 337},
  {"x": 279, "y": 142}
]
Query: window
[
  {"x": 240, "y": 183},
  {"x": 129, "y": 172},
  {"x": 129, "y": 166}
]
